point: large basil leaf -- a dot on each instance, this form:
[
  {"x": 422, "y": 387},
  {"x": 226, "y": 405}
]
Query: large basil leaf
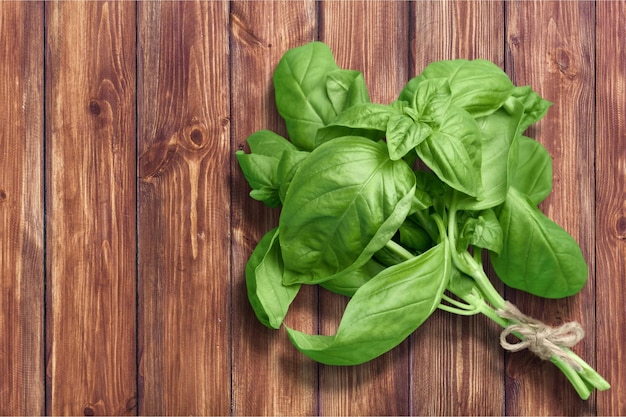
[
  {"x": 348, "y": 283},
  {"x": 500, "y": 131},
  {"x": 345, "y": 201},
  {"x": 301, "y": 95},
  {"x": 287, "y": 167},
  {"x": 537, "y": 255},
  {"x": 478, "y": 86},
  {"x": 533, "y": 176},
  {"x": 311, "y": 90},
  {"x": 270, "y": 299},
  {"x": 383, "y": 312}
]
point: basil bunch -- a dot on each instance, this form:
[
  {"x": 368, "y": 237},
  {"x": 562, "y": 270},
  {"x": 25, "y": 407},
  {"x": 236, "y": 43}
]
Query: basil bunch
[{"x": 359, "y": 219}]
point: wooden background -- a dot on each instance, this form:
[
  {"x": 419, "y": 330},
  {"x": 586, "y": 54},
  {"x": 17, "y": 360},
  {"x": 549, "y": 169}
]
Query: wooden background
[{"x": 125, "y": 223}]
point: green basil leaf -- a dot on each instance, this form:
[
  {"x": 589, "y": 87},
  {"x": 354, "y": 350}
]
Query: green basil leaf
[
  {"x": 478, "y": 86},
  {"x": 482, "y": 229},
  {"x": 387, "y": 256},
  {"x": 268, "y": 143},
  {"x": 453, "y": 151},
  {"x": 346, "y": 88},
  {"x": 420, "y": 92},
  {"x": 500, "y": 131},
  {"x": 421, "y": 201},
  {"x": 533, "y": 176},
  {"x": 369, "y": 116},
  {"x": 347, "y": 284},
  {"x": 330, "y": 132},
  {"x": 260, "y": 172},
  {"x": 383, "y": 312},
  {"x": 404, "y": 134},
  {"x": 405, "y": 108},
  {"x": 365, "y": 120},
  {"x": 430, "y": 95},
  {"x": 429, "y": 183},
  {"x": 269, "y": 196},
  {"x": 407, "y": 95},
  {"x": 287, "y": 167},
  {"x": 460, "y": 284},
  {"x": 537, "y": 255},
  {"x": 535, "y": 107},
  {"x": 301, "y": 91},
  {"x": 269, "y": 298},
  {"x": 414, "y": 236},
  {"x": 260, "y": 167},
  {"x": 344, "y": 203}
]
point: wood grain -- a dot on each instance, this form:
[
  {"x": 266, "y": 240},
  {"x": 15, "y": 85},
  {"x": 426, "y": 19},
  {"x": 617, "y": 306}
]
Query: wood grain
[
  {"x": 455, "y": 357},
  {"x": 90, "y": 194},
  {"x": 557, "y": 61},
  {"x": 125, "y": 222},
  {"x": 371, "y": 37},
  {"x": 270, "y": 377},
  {"x": 456, "y": 29},
  {"x": 610, "y": 225},
  {"x": 21, "y": 209},
  {"x": 184, "y": 208}
]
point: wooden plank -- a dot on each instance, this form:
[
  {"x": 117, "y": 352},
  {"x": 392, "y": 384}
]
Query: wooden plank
[
  {"x": 371, "y": 37},
  {"x": 184, "y": 201},
  {"x": 456, "y": 29},
  {"x": 270, "y": 377},
  {"x": 611, "y": 204},
  {"x": 550, "y": 46},
  {"x": 453, "y": 357},
  {"x": 90, "y": 192},
  {"x": 21, "y": 209}
]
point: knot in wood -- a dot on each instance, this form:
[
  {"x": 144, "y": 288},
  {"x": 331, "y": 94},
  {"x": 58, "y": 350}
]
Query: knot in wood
[
  {"x": 196, "y": 137},
  {"x": 620, "y": 226},
  {"x": 94, "y": 108}
]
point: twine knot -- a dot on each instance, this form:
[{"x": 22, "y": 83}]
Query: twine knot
[{"x": 543, "y": 340}]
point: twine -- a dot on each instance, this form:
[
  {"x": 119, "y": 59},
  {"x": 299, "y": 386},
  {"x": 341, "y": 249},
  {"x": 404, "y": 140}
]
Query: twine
[{"x": 543, "y": 340}]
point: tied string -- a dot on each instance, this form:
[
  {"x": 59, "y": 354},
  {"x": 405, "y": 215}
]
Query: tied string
[{"x": 543, "y": 340}]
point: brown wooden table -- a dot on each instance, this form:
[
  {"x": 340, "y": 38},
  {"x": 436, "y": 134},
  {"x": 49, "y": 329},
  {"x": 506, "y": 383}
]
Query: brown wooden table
[{"x": 125, "y": 223}]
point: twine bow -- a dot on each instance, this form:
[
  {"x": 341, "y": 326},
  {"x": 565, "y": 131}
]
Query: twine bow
[{"x": 543, "y": 340}]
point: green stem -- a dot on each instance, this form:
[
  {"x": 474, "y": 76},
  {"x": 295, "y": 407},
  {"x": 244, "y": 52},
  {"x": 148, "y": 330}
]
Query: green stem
[
  {"x": 457, "y": 307},
  {"x": 467, "y": 264},
  {"x": 485, "y": 299},
  {"x": 574, "y": 377},
  {"x": 399, "y": 250},
  {"x": 474, "y": 270},
  {"x": 582, "y": 381}
]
